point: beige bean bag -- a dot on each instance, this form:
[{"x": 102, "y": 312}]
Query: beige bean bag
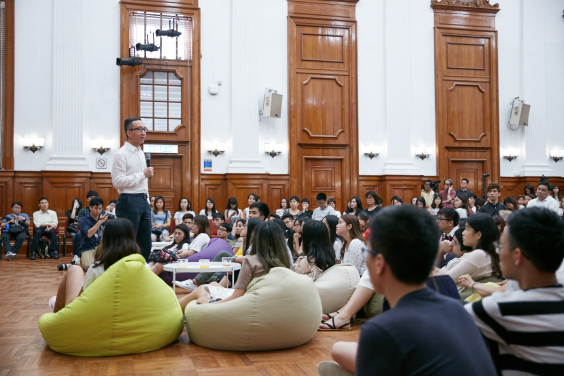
[
  {"x": 279, "y": 310},
  {"x": 375, "y": 306},
  {"x": 336, "y": 286}
]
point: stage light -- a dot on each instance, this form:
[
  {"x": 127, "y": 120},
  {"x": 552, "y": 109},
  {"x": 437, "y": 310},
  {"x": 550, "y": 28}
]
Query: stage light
[
  {"x": 132, "y": 61},
  {"x": 169, "y": 33}
]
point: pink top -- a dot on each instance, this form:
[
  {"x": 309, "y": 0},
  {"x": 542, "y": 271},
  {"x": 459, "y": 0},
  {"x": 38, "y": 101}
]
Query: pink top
[{"x": 444, "y": 196}]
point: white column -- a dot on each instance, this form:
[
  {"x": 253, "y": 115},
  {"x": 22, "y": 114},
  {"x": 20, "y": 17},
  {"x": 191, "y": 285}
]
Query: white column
[
  {"x": 68, "y": 72},
  {"x": 534, "y": 87},
  {"x": 398, "y": 89},
  {"x": 246, "y": 90}
]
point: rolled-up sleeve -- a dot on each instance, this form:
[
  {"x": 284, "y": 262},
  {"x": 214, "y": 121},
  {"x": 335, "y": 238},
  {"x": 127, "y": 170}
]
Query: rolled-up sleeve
[{"x": 120, "y": 179}]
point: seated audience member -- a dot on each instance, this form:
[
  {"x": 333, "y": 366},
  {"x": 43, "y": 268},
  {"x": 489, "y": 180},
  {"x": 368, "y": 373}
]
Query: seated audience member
[
  {"x": 111, "y": 208},
  {"x": 86, "y": 209},
  {"x": 447, "y": 219},
  {"x": 184, "y": 207},
  {"x": 159, "y": 257},
  {"x": 297, "y": 239},
  {"x": 160, "y": 220},
  {"x": 529, "y": 189},
  {"x": 448, "y": 194},
  {"x": 480, "y": 234},
  {"x": 268, "y": 251},
  {"x": 524, "y": 327},
  {"x": 188, "y": 220},
  {"x": 404, "y": 339},
  {"x": 493, "y": 206},
  {"x": 372, "y": 203},
  {"x": 273, "y": 216},
  {"x": 210, "y": 210},
  {"x": 236, "y": 231},
  {"x": 91, "y": 227},
  {"x": 152, "y": 199},
  {"x": 232, "y": 211},
  {"x": 436, "y": 205},
  {"x": 323, "y": 209},
  {"x": 119, "y": 242},
  {"x": 45, "y": 222},
  {"x": 472, "y": 202},
  {"x": 396, "y": 201},
  {"x": 224, "y": 232},
  {"x": 259, "y": 210},
  {"x": 288, "y": 236},
  {"x": 284, "y": 205},
  {"x": 544, "y": 198},
  {"x": 319, "y": 253},
  {"x": 427, "y": 193},
  {"x": 332, "y": 203},
  {"x": 380, "y": 201},
  {"x": 305, "y": 206},
  {"x": 251, "y": 199},
  {"x": 363, "y": 219},
  {"x": 331, "y": 221},
  {"x": 500, "y": 223},
  {"x": 511, "y": 203},
  {"x": 464, "y": 187},
  {"x": 351, "y": 251},
  {"x": 521, "y": 201},
  {"x": 202, "y": 236},
  {"x": 218, "y": 219},
  {"x": 528, "y": 198},
  {"x": 556, "y": 193},
  {"x": 72, "y": 228},
  {"x": 479, "y": 203},
  {"x": 293, "y": 210},
  {"x": 288, "y": 220},
  {"x": 421, "y": 204},
  {"x": 18, "y": 223},
  {"x": 414, "y": 201},
  {"x": 461, "y": 206},
  {"x": 355, "y": 206}
]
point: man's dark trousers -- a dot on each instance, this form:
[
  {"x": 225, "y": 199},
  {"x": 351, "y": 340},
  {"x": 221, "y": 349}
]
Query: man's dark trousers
[
  {"x": 20, "y": 237},
  {"x": 136, "y": 208},
  {"x": 51, "y": 234}
]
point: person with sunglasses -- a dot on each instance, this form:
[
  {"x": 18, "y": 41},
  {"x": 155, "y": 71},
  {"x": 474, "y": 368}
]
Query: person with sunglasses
[{"x": 129, "y": 177}]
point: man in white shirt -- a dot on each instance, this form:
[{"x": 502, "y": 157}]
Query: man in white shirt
[
  {"x": 544, "y": 199},
  {"x": 129, "y": 177},
  {"x": 447, "y": 219},
  {"x": 45, "y": 222},
  {"x": 323, "y": 209}
]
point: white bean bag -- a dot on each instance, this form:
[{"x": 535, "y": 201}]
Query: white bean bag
[
  {"x": 279, "y": 310},
  {"x": 336, "y": 286}
]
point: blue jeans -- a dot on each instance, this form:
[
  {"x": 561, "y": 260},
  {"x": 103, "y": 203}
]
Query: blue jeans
[{"x": 136, "y": 209}]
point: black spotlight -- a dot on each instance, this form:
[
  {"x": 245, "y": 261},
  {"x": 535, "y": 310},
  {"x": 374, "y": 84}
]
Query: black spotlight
[
  {"x": 132, "y": 61},
  {"x": 146, "y": 47},
  {"x": 169, "y": 33}
]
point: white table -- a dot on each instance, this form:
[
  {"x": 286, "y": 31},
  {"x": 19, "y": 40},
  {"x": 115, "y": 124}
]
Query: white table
[{"x": 194, "y": 267}]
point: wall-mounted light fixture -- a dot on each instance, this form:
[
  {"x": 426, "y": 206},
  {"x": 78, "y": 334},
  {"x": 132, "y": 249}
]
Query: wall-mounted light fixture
[
  {"x": 216, "y": 148},
  {"x": 101, "y": 146},
  {"x": 510, "y": 154},
  {"x": 273, "y": 149},
  {"x": 556, "y": 155},
  {"x": 423, "y": 152},
  {"x": 33, "y": 144},
  {"x": 371, "y": 151}
]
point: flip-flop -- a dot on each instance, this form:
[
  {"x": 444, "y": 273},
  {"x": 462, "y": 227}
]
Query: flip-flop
[
  {"x": 328, "y": 315},
  {"x": 333, "y": 328}
]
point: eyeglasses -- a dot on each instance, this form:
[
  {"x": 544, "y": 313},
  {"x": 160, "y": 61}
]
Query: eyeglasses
[
  {"x": 441, "y": 219},
  {"x": 365, "y": 251},
  {"x": 142, "y": 130}
]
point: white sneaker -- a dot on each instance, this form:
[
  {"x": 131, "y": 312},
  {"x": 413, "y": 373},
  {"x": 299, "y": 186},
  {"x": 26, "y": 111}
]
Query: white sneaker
[
  {"x": 187, "y": 285},
  {"x": 75, "y": 260},
  {"x": 52, "y": 302},
  {"x": 10, "y": 256}
]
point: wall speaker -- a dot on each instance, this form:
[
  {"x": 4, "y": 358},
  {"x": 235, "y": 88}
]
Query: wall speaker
[
  {"x": 272, "y": 105},
  {"x": 520, "y": 113}
]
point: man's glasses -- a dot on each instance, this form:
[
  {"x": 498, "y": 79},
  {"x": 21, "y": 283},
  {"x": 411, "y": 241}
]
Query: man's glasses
[
  {"x": 441, "y": 219},
  {"x": 142, "y": 130},
  {"x": 365, "y": 251}
]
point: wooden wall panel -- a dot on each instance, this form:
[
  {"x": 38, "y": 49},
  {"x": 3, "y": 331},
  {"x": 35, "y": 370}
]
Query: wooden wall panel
[
  {"x": 8, "y": 105},
  {"x": 466, "y": 87},
  {"x": 6, "y": 193},
  {"x": 101, "y": 182},
  {"x": 61, "y": 187}
]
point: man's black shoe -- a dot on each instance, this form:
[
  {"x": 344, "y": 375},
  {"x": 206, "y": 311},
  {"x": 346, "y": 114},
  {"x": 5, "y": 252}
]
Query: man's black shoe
[
  {"x": 32, "y": 257},
  {"x": 56, "y": 255}
]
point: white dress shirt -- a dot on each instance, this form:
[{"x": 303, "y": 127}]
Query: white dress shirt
[
  {"x": 127, "y": 170},
  {"x": 547, "y": 203},
  {"x": 49, "y": 217}
]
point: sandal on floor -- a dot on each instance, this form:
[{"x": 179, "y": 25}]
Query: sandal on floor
[
  {"x": 333, "y": 328},
  {"x": 328, "y": 315}
]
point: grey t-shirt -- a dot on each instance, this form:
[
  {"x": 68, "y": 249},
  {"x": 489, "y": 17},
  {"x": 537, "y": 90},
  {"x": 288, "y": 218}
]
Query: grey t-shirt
[{"x": 319, "y": 214}]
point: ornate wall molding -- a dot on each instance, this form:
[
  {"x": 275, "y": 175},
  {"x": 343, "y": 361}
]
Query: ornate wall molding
[{"x": 484, "y": 4}]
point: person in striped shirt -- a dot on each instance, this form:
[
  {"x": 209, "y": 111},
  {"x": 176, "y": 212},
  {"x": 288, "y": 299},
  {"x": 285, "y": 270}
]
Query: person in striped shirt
[{"x": 525, "y": 328}]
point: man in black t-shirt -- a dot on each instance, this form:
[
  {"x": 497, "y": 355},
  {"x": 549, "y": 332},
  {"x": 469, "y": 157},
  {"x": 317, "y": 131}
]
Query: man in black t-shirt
[
  {"x": 493, "y": 206},
  {"x": 424, "y": 333}
]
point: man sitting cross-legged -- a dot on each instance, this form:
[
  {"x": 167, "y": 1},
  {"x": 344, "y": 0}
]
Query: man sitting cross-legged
[{"x": 424, "y": 333}]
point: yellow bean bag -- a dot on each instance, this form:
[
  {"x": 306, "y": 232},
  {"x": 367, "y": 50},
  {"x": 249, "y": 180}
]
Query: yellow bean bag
[
  {"x": 127, "y": 310},
  {"x": 336, "y": 286},
  {"x": 279, "y": 310},
  {"x": 468, "y": 292}
]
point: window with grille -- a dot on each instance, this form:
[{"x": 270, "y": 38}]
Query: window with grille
[{"x": 161, "y": 99}]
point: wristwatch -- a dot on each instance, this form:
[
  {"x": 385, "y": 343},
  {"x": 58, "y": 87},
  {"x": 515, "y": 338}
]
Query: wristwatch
[{"x": 472, "y": 286}]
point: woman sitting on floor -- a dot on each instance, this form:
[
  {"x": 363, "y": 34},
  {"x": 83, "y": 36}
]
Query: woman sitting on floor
[
  {"x": 319, "y": 251},
  {"x": 268, "y": 251},
  {"x": 331, "y": 221},
  {"x": 118, "y": 242},
  {"x": 353, "y": 241},
  {"x": 180, "y": 242}
]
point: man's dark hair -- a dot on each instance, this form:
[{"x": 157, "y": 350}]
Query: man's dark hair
[
  {"x": 331, "y": 200},
  {"x": 380, "y": 200},
  {"x": 263, "y": 209},
  {"x": 187, "y": 216},
  {"x": 374, "y": 196},
  {"x": 539, "y": 233},
  {"x": 466, "y": 180},
  {"x": 219, "y": 215},
  {"x": 91, "y": 194},
  {"x": 493, "y": 186},
  {"x": 408, "y": 238},
  {"x": 295, "y": 198},
  {"x": 321, "y": 197},
  {"x": 127, "y": 124},
  {"x": 473, "y": 195},
  {"x": 226, "y": 226},
  {"x": 428, "y": 181},
  {"x": 396, "y": 198},
  {"x": 95, "y": 201},
  {"x": 17, "y": 203},
  {"x": 546, "y": 184},
  {"x": 41, "y": 199},
  {"x": 450, "y": 215},
  {"x": 306, "y": 200},
  {"x": 113, "y": 201},
  {"x": 274, "y": 215},
  {"x": 288, "y": 216}
]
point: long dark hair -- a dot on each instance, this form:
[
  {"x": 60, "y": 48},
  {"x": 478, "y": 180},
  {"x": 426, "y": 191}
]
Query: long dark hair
[
  {"x": 213, "y": 210},
  {"x": 118, "y": 242},
  {"x": 232, "y": 200},
  {"x": 182, "y": 227},
  {"x": 188, "y": 207},
  {"x": 203, "y": 224},
  {"x": 531, "y": 188},
  {"x": 317, "y": 245},
  {"x": 458, "y": 236},
  {"x": 433, "y": 205},
  {"x": 358, "y": 206},
  {"x": 155, "y": 210},
  {"x": 255, "y": 196},
  {"x": 511, "y": 200},
  {"x": 72, "y": 205},
  {"x": 485, "y": 224},
  {"x": 332, "y": 221},
  {"x": 252, "y": 223},
  {"x": 465, "y": 206},
  {"x": 287, "y": 203},
  {"x": 354, "y": 232},
  {"x": 269, "y": 245}
]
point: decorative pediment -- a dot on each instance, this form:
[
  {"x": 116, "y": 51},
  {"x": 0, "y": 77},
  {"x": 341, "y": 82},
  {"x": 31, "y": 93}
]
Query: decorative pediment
[{"x": 483, "y": 4}]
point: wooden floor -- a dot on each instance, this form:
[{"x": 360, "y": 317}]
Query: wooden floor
[{"x": 25, "y": 289}]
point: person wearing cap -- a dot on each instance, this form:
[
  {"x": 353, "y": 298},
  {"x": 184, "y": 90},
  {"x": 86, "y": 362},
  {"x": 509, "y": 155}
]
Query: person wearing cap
[{"x": 323, "y": 209}]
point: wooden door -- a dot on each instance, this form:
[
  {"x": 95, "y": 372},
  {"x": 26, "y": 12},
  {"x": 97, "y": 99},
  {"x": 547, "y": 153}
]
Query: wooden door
[
  {"x": 323, "y": 175},
  {"x": 167, "y": 181},
  {"x": 468, "y": 169}
]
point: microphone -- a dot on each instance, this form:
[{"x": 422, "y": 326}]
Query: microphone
[{"x": 148, "y": 160}]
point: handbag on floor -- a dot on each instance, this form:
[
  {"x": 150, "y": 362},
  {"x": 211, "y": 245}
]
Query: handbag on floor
[{"x": 163, "y": 256}]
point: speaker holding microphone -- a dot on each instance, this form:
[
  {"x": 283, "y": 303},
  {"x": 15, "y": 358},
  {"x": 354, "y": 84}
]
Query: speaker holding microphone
[{"x": 148, "y": 160}]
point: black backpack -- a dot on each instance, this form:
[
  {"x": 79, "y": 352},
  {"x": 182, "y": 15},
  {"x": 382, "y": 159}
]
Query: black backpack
[{"x": 43, "y": 245}]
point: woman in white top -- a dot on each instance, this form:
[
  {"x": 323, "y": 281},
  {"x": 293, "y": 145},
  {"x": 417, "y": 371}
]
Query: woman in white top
[
  {"x": 251, "y": 199},
  {"x": 210, "y": 210},
  {"x": 232, "y": 211},
  {"x": 353, "y": 241},
  {"x": 284, "y": 205},
  {"x": 331, "y": 222},
  {"x": 437, "y": 204},
  {"x": 480, "y": 234},
  {"x": 461, "y": 206},
  {"x": 202, "y": 235},
  {"x": 184, "y": 207},
  {"x": 118, "y": 242},
  {"x": 180, "y": 242}
]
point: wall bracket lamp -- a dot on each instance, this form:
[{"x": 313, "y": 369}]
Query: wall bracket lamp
[
  {"x": 556, "y": 155},
  {"x": 104, "y": 146},
  {"x": 33, "y": 144},
  {"x": 273, "y": 149},
  {"x": 216, "y": 149},
  {"x": 423, "y": 153},
  {"x": 510, "y": 154},
  {"x": 371, "y": 151}
]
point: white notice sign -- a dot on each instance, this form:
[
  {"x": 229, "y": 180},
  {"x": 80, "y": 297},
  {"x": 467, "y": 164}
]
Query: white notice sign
[{"x": 162, "y": 149}]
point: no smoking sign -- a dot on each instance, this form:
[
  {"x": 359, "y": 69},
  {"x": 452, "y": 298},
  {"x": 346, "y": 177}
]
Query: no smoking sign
[{"x": 101, "y": 163}]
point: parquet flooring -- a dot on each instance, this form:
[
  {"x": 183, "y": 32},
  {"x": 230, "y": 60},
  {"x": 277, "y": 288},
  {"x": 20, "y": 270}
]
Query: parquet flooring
[{"x": 26, "y": 287}]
